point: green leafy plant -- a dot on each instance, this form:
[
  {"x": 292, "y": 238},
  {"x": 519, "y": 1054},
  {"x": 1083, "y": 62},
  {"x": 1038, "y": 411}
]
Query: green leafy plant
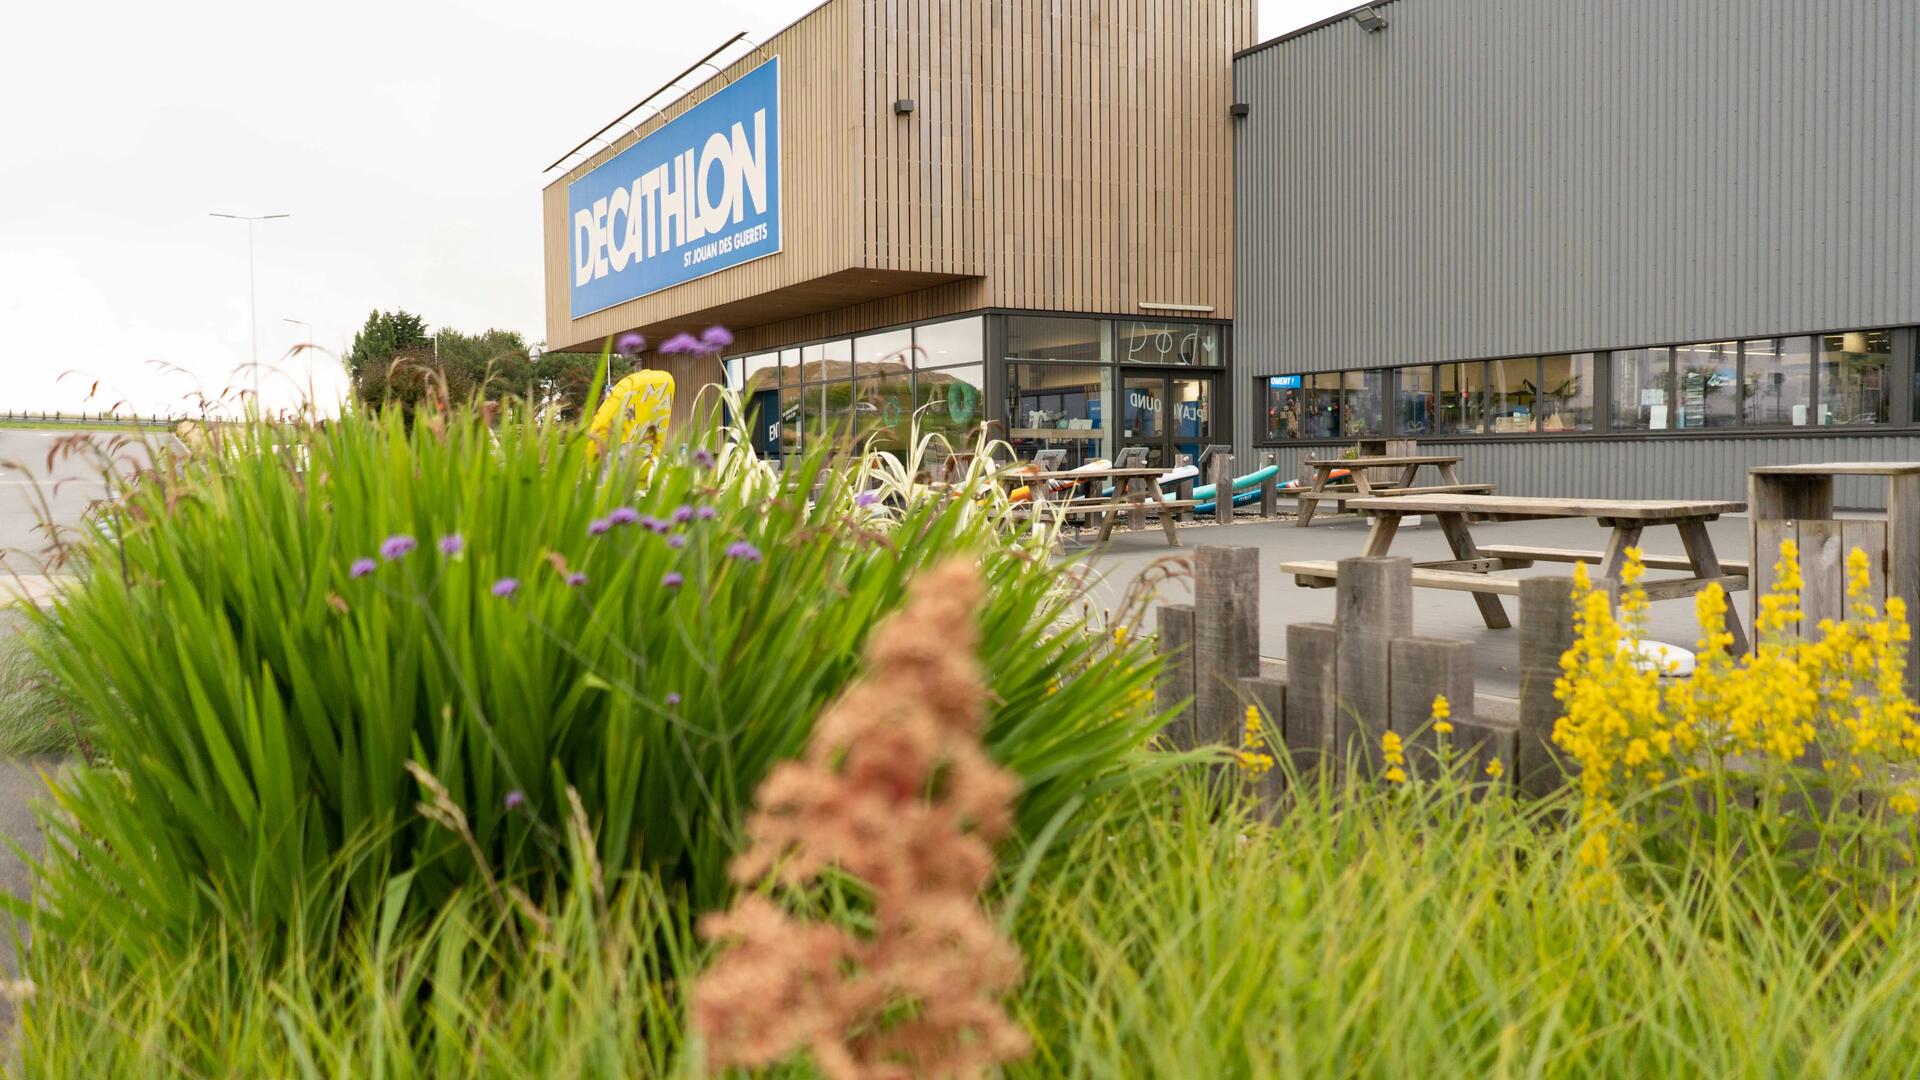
[{"x": 267, "y": 632}]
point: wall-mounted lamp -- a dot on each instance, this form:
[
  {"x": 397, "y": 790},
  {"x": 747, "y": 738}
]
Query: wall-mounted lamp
[
  {"x": 903, "y": 106},
  {"x": 1369, "y": 19},
  {"x": 1241, "y": 109}
]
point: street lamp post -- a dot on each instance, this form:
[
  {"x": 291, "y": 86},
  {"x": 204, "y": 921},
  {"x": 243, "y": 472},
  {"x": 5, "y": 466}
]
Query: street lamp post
[{"x": 253, "y": 318}]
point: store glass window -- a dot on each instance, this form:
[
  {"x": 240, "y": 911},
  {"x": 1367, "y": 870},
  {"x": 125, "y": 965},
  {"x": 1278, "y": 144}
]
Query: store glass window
[
  {"x": 1175, "y": 344},
  {"x": 1414, "y": 405},
  {"x": 789, "y": 367},
  {"x": 759, "y": 372},
  {"x": 1642, "y": 389},
  {"x": 1513, "y": 394},
  {"x": 1321, "y": 414},
  {"x": 1462, "y": 394},
  {"x": 1776, "y": 382},
  {"x": 1056, "y": 407},
  {"x": 883, "y": 411},
  {"x": 885, "y": 354},
  {"x": 1707, "y": 376},
  {"x": 830, "y": 412},
  {"x": 946, "y": 344},
  {"x": 951, "y": 403},
  {"x": 826, "y": 362},
  {"x": 793, "y": 419},
  {"x": 1038, "y": 337},
  {"x": 1856, "y": 378},
  {"x": 1363, "y": 403},
  {"x": 1286, "y": 399},
  {"x": 1567, "y": 392}
]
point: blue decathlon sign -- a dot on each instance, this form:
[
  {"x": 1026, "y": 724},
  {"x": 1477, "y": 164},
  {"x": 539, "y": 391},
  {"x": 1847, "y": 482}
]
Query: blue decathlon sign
[
  {"x": 1284, "y": 382},
  {"x": 696, "y": 197}
]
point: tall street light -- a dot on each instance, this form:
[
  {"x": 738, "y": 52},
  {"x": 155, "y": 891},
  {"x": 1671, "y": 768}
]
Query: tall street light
[{"x": 253, "y": 319}]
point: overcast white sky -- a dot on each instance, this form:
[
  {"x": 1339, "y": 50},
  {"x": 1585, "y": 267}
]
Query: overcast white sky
[{"x": 406, "y": 138}]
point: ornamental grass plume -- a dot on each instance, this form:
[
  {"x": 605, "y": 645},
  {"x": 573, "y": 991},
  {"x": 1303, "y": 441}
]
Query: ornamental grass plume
[{"x": 895, "y": 790}]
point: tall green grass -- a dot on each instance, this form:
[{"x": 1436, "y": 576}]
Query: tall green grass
[
  {"x": 1395, "y": 933},
  {"x": 1374, "y": 933},
  {"x": 258, "y": 704}
]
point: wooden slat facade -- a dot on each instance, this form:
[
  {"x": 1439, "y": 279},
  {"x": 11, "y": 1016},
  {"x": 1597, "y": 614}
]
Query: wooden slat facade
[{"x": 1063, "y": 155}]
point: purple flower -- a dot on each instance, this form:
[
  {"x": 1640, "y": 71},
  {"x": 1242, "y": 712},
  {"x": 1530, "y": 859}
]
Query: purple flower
[
  {"x": 506, "y": 587},
  {"x": 716, "y": 338},
  {"x": 743, "y": 551},
  {"x": 706, "y": 513},
  {"x": 451, "y": 545},
  {"x": 655, "y": 525},
  {"x": 397, "y": 546},
  {"x": 673, "y": 698},
  {"x": 672, "y": 580},
  {"x": 703, "y": 458},
  {"x": 866, "y": 498},
  {"x": 599, "y": 527},
  {"x": 682, "y": 515},
  {"x": 677, "y": 541},
  {"x": 576, "y": 579},
  {"x": 363, "y": 567},
  {"x": 623, "y": 515},
  {"x": 631, "y": 344},
  {"x": 516, "y": 799},
  {"x": 680, "y": 345}
]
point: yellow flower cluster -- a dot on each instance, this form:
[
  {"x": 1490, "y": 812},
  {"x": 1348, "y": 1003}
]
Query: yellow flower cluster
[
  {"x": 1394, "y": 753},
  {"x": 1254, "y": 760},
  {"x": 1836, "y": 694},
  {"x": 1442, "y": 715}
]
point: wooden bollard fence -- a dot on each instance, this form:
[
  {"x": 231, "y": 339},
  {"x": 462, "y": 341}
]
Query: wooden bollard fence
[
  {"x": 1226, "y": 636},
  {"x": 1373, "y": 605},
  {"x": 1220, "y": 466},
  {"x": 1175, "y": 692}
]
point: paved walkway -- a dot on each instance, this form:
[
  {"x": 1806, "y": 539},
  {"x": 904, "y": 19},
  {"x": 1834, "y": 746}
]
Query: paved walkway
[{"x": 1436, "y": 613}]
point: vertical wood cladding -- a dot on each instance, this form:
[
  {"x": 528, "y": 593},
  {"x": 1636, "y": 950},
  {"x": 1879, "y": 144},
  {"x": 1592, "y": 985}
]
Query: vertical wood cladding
[{"x": 1072, "y": 155}]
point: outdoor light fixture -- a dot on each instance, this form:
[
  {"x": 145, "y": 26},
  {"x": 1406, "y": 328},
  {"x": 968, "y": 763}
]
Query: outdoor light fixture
[
  {"x": 903, "y": 106},
  {"x": 1369, "y": 19},
  {"x": 1241, "y": 109}
]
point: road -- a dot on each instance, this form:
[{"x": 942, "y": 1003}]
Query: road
[{"x": 34, "y": 490}]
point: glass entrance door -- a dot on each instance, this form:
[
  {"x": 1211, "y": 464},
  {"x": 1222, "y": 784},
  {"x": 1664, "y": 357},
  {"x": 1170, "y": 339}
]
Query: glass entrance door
[{"x": 1168, "y": 414}]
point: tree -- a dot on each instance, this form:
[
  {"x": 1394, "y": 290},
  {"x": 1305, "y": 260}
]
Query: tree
[{"x": 395, "y": 361}]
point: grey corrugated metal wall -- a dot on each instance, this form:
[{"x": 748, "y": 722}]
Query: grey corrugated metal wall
[
  {"x": 1500, "y": 177},
  {"x": 1647, "y": 468}
]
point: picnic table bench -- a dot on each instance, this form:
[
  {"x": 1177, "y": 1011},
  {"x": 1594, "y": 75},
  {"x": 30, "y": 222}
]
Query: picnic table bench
[
  {"x": 1133, "y": 490},
  {"x": 1472, "y": 567},
  {"x": 1361, "y": 486}
]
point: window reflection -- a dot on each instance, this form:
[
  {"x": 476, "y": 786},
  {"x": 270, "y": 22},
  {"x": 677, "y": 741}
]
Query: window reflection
[
  {"x": 1056, "y": 407},
  {"x": 1049, "y": 338},
  {"x": 1566, "y": 400},
  {"x": 1414, "y": 402},
  {"x": 1513, "y": 388},
  {"x": 959, "y": 341},
  {"x": 1321, "y": 415},
  {"x": 1707, "y": 374},
  {"x": 1642, "y": 385},
  {"x": 1362, "y": 404},
  {"x": 1856, "y": 371},
  {"x": 951, "y": 403},
  {"x": 1148, "y": 341},
  {"x": 1776, "y": 382},
  {"x": 1462, "y": 395}
]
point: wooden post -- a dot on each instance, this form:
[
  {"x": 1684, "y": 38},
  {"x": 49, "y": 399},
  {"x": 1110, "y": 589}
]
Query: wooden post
[
  {"x": 1226, "y": 636},
  {"x": 1373, "y": 605},
  {"x": 1174, "y": 692},
  {"x": 1429, "y": 668},
  {"x": 1221, "y": 465},
  {"x": 1269, "y": 697},
  {"x": 1903, "y": 561},
  {"x": 1183, "y": 489},
  {"x": 1547, "y": 609},
  {"x": 1270, "y": 490},
  {"x": 1312, "y": 702}
]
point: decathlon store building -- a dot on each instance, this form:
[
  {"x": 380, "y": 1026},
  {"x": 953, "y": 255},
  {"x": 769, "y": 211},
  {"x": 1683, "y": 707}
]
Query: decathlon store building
[
  {"x": 1614, "y": 250},
  {"x": 1014, "y": 215}
]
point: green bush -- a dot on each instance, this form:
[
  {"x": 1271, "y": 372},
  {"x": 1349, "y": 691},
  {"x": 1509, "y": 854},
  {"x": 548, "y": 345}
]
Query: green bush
[{"x": 258, "y": 697}]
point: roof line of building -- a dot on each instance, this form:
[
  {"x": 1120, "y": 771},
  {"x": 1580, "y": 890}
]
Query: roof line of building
[{"x": 1308, "y": 29}]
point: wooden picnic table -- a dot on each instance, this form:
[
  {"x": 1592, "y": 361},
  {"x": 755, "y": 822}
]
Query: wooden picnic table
[
  {"x": 1133, "y": 489},
  {"x": 1361, "y": 485},
  {"x": 1796, "y": 502},
  {"x": 1472, "y": 566}
]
